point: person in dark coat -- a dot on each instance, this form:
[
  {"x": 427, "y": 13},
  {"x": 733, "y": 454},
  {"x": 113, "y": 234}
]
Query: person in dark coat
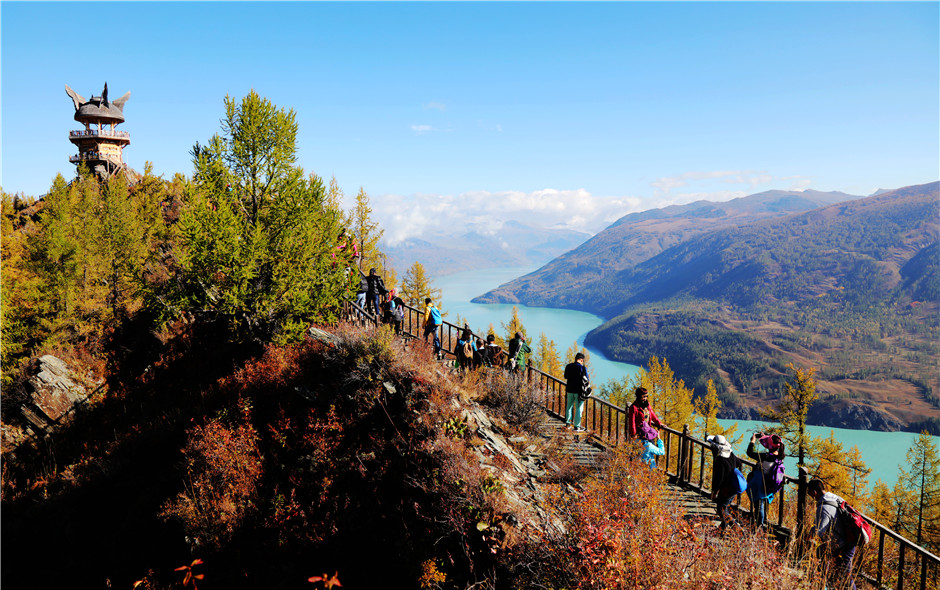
[
  {"x": 575, "y": 374},
  {"x": 725, "y": 486},
  {"x": 375, "y": 291}
]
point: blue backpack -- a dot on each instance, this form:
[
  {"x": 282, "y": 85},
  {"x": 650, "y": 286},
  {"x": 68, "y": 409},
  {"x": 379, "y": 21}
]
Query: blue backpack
[{"x": 435, "y": 316}]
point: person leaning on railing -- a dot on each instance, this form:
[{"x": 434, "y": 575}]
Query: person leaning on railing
[{"x": 831, "y": 529}]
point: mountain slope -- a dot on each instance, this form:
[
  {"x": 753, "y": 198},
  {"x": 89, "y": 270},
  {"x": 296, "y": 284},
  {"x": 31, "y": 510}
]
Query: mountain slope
[
  {"x": 638, "y": 237},
  {"x": 851, "y": 288}
]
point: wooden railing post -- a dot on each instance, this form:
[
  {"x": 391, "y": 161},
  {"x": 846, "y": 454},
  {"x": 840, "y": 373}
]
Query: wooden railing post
[
  {"x": 684, "y": 460},
  {"x": 800, "y": 509}
]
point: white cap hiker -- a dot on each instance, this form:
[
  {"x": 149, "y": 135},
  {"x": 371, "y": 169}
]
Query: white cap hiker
[{"x": 720, "y": 443}]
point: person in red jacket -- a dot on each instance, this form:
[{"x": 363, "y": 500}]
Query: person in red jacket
[{"x": 642, "y": 417}]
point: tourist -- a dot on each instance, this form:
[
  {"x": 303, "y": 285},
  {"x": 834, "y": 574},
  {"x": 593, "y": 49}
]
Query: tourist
[
  {"x": 642, "y": 418},
  {"x": 432, "y": 324},
  {"x": 493, "y": 354},
  {"x": 830, "y": 529},
  {"x": 726, "y": 477},
  {"x": 376, "y": 290},
  {"x": 479, "y": 354},
  {"x": 398, "y": 314},
  {"x": 363, "y": 289},
  {"x": 575, "y": 378},
  {"x": 517, "y": 351},
  {"x": 465, "y": 349},
  {"x": 767, "y": 477}
]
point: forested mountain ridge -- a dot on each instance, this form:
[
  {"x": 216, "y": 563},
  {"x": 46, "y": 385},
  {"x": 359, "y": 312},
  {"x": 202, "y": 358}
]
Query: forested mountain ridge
[
  {"x": 637, "y": 237},
  {"x": 851, "y": 288}
]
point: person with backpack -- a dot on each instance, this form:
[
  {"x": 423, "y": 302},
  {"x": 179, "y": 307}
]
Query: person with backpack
[
  {"x": 727, "y": 479},
  {"x": 575, "y": 379},
  {"x": 375, "y": 291},
  {"x": 432, "y": 324},
  {"x": 834, "y": 523},
  {"x": 464, "y": 350},
  {"x": 517, "y": 351},
  {"x": 767, "y": 477},
  {"x": 398, "y": 314},
  {"x": 363, "y": 289}
]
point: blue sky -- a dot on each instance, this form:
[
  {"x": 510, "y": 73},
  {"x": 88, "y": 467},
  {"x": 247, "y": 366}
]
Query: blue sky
[{"x": 561, "y": 114}]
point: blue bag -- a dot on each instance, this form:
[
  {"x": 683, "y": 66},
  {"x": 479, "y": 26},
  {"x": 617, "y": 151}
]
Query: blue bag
[{"x": 742, "y": 481}]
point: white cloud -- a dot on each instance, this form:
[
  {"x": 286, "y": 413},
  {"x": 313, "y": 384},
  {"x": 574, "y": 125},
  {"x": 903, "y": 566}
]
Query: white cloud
[
  {"x": 499, "y": 128},
  {"x": 414, "y": 216},
  {"x": 710, "y": 185},
  {"x": 421, "y": 129},
  {"x": 437, "y": 106}
]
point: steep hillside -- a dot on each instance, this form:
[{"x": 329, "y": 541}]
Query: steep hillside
[
  {"x": 275, "y": 467},
  {"x": 640, "y": 236},
  {"x": 516, "y": 244},
  {"x": 852, "y": 289}
]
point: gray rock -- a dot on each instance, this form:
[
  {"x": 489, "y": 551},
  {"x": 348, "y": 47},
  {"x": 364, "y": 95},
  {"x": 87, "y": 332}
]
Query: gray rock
[{"x": 53, "y": 392}]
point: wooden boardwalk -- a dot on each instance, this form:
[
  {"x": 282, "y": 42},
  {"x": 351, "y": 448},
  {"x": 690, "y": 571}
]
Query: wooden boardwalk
[{"x": 587, "y": 451}]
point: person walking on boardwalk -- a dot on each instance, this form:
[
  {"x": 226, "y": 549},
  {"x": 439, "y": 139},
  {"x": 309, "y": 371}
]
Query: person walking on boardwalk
[
  {"x": 465, "y": 349},
  {"x": 432, "y": 324},
  {"x": 767, "y": 476},
  {"x": 642, "y": 418},
  {"x": 376, "y": 290},
  {"x": 726, "y": 477},
  {"x": 830, "y": 528},
  {"x": 517, "y": 351},
  {"x": 575, "y": 378}
]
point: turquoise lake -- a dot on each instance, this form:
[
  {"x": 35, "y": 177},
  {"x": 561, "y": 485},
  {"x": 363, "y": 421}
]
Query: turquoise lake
[{"x": 882, "y": 452}]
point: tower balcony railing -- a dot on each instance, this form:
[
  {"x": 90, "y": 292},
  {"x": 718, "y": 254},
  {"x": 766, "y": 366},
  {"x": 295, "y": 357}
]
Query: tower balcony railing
[
  {"x": 92, "y": 156},
  {"x": 100, "y": 133}
]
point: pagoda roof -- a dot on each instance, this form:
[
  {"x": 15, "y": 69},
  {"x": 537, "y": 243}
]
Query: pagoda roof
[{"x": 98, "y": 109}]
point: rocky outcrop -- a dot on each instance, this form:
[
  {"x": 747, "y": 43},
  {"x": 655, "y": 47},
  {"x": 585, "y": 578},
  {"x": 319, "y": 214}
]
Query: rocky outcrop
[
  {"x": 53, "y": 391},
  {"x": 854, "y": 416}
]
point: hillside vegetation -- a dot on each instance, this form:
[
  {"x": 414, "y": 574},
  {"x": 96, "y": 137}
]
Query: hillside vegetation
[{"x": 851, "y": 288}]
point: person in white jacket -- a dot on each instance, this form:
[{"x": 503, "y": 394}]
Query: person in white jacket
[{"x": 830, "y": 529}]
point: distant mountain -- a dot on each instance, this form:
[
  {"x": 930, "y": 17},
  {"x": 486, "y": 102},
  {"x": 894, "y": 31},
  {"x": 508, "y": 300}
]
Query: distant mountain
[
  {"x": 637, "y": 237},
  {"x": 852, "y": 289},
  {"x": 515, "y": 244}
]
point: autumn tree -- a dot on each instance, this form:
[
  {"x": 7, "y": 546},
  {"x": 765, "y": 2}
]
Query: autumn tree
[
  {"x": 256, "y": 237},
  {"x": 799, "y": 396},
  {"x": 20, "y": 298},
  {"x": 514, "y": 325},
  {"x": 90, "y": 247},
  {"x": 668, "y": 396},
  {"x": 706, "y": 409},
  {"x": 545, "y": 357},
  {"x": 892, "y": 507},
  {"x": 843, "y": 471},
  {"x": 417, "y": 286},
  {"x": 921, "y": 479},
  {"x": 367, "y": 233}
]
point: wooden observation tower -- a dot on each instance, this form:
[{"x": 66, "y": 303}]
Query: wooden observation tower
[{"x": 99, "y": 144}]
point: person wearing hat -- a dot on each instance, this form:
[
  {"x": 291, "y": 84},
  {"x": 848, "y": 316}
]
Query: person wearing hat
[
  {"x": 575, "y": 376},
  {"x": 725, "y": 470},
  {"x": 763, "y": 482},
  {"x": 642, "y": 417}
]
